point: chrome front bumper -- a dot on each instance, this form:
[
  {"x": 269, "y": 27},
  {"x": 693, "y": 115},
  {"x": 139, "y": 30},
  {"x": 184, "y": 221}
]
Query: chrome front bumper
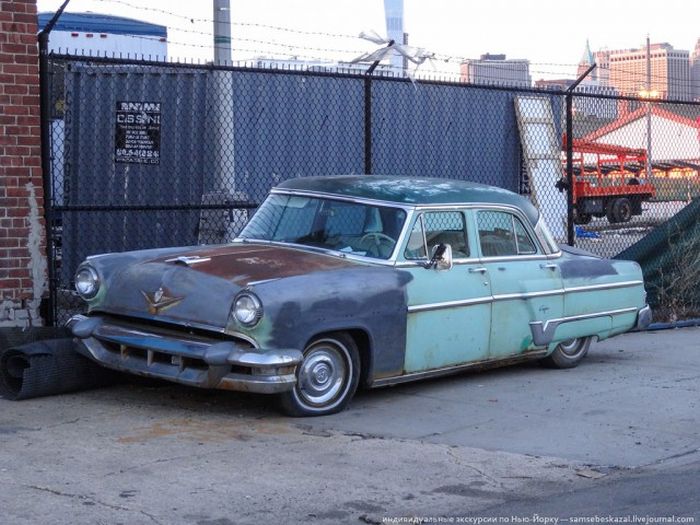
[{"x": 184, "y": 358}]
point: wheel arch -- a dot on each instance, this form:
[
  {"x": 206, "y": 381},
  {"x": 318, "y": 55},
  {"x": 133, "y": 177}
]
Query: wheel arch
[{"x": 362, "y": 340}]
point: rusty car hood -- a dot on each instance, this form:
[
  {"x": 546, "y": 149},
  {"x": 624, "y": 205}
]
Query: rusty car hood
[
  {"x": 246, "y": 264},
  {"x": 196, "y": 286}
]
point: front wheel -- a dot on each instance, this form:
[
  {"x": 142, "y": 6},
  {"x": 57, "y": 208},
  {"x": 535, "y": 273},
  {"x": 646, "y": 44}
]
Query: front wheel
[
  {"x": 568, "y": 353},
  {"x": 327, "y": 378}
]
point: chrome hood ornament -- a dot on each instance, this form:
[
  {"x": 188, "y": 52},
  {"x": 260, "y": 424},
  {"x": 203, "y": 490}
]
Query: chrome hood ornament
[{"x": 160, "y": 300}]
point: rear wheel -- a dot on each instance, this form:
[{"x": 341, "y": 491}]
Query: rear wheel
[
  {"x": 619, "y": 210},
  {"x": 568, "y": 353},
  {"x": 327, "y": 378}
]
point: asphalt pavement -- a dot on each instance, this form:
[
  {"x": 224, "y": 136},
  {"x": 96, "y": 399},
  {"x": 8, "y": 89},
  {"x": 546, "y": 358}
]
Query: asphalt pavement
[{"x": 617, "y": 436}]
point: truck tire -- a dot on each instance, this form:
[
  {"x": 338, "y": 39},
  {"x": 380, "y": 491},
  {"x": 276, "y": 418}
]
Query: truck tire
[{"x": 622, "y": 209}]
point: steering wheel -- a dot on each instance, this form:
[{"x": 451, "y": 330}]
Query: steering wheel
[{"x": 381, "y": 240}]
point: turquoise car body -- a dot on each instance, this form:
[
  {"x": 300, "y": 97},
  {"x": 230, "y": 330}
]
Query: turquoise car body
[{"x": 503, "y": 291}]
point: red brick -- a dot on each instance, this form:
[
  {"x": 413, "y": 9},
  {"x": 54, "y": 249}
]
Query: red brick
[
  {"x": 14, "y": 68},
  {"x": 6, "y": 242},
  {"x": 31, "y": 57},
  {"x": 15, "y": 89},
  {"x": 29, "y": 141},
  {"x": 31, "y": 160},
  {"x": 26, "y": 79},
  {"x": 27, "y": 121},
  {"x": 17, "y": 151},
  {"x": 7, "y": 284},
  {"x": 14, "y": 48},
  {"x": 28, "y": 39},
  {"x": 17, "y": 130},
  {"x": 7, "y": 140},
  {"x": 17, "y": 7},
  {"x": 16, "y": 110},
  {"x": 17, "y": 212},
  {"x": 17, "y": 192},
  {"x": 30, "y": 100}
]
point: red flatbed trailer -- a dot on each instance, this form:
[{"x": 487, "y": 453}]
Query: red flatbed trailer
[{"x": 607, "y": 181}]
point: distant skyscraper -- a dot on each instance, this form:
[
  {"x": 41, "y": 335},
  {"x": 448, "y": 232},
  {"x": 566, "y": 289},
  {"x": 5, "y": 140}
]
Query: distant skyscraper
[
  {"x": 670, "y": 71},
  {"x": 695, "y": 72},
  {"x": 496, "y": 70},
  {"x": 393, "y": 10}
]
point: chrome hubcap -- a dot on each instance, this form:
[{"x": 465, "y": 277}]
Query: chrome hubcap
[
  {"x": 323, "y": 375},
  {"x": 571, "y": 346}
]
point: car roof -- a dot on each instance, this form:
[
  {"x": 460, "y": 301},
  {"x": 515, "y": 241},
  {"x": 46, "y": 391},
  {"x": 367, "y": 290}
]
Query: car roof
[{"x": 412, "y": 191}]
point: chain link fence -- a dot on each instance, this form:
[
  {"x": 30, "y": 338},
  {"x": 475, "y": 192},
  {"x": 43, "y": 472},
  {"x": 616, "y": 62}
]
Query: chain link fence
[{"x": 147, "y": 154}]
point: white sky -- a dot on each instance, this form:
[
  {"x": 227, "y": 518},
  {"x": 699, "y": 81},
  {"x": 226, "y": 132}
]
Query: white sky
[{"x": 544, "y": 31}]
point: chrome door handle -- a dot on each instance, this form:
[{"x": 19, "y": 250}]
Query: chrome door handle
[
  {"x": 550, "y": 266},
  {"x": 477, "y": 270}
]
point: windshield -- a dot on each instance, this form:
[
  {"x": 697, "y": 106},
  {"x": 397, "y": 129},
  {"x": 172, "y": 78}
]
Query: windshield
[{"x": 348, "y": 227}]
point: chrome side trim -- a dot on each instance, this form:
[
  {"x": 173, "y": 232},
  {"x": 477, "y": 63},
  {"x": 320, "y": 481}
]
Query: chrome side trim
[
  {"x": 609, "y": 286},
  {"x": 514, "y": 296},
  {"x": 449, "y": 304},
  {"x": 528, "y": 295},
  {"x": 449, "y": 370},
  {"x": 543, "y": 331}
]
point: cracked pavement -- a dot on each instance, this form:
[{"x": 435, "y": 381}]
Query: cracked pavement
[{"x": 159, "y": 453}]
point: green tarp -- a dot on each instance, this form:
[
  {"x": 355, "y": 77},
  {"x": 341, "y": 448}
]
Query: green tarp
[{"x": 670, "y": 259}]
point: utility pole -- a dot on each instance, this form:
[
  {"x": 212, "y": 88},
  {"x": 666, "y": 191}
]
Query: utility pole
[
  {"x": 222, "y": 31},
  {"x": 649, "y": 92}
]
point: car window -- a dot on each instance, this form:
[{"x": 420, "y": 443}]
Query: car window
[
  {"x": 502, "y": 234},
  {"x": 348, "y": 227},
  {"x": 434, "y": 228}
]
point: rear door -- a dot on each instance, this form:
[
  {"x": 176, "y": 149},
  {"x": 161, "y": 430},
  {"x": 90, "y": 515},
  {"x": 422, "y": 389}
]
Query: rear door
[{"x": 525, "y": 284}]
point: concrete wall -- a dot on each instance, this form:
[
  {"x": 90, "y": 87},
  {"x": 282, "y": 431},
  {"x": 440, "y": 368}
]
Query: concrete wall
[{"x": 22, "y": 235}]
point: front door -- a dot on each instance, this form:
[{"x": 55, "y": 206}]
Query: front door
[
  {"x": 449, "y": 311},
  {"x": 526, "y": 285}
]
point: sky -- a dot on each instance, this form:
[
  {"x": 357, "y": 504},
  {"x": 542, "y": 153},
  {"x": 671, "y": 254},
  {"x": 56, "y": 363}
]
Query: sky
[{"x": 551, "y": 34}]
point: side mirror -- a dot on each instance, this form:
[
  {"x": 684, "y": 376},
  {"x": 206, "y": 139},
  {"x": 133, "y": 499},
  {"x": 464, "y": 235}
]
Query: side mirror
[{"x": 441, "y": 257}]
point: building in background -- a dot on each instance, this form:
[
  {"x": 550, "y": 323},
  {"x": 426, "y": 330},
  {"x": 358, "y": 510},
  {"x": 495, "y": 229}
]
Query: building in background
[
  {"x": 496, "y": 70},
  {"x": 393, "y": 12},
  {"x": 98, "y": 34},
  {"x": 695, "y": 72},
  {"x": 670, "y": 72}
]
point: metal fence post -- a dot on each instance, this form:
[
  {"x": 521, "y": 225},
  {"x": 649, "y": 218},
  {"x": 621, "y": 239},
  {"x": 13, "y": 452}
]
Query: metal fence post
[
  {"x": 571, "y": 238},
  {"x": 45, "y": 129},
  {"x": 45, "y": 123},
  {"x": 368, "y": 124}
]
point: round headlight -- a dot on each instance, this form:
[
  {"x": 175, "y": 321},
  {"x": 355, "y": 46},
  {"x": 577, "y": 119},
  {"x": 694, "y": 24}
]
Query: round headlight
[
  {"x": 247, "y": 309},
  {"x": 87, "y": 282}
]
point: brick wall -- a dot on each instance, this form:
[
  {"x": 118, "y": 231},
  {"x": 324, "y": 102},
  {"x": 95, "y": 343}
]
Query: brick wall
[{"x": 22, "y": 236}]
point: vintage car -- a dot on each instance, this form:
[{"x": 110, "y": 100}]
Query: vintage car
[{"x": 347, "y": 281}]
